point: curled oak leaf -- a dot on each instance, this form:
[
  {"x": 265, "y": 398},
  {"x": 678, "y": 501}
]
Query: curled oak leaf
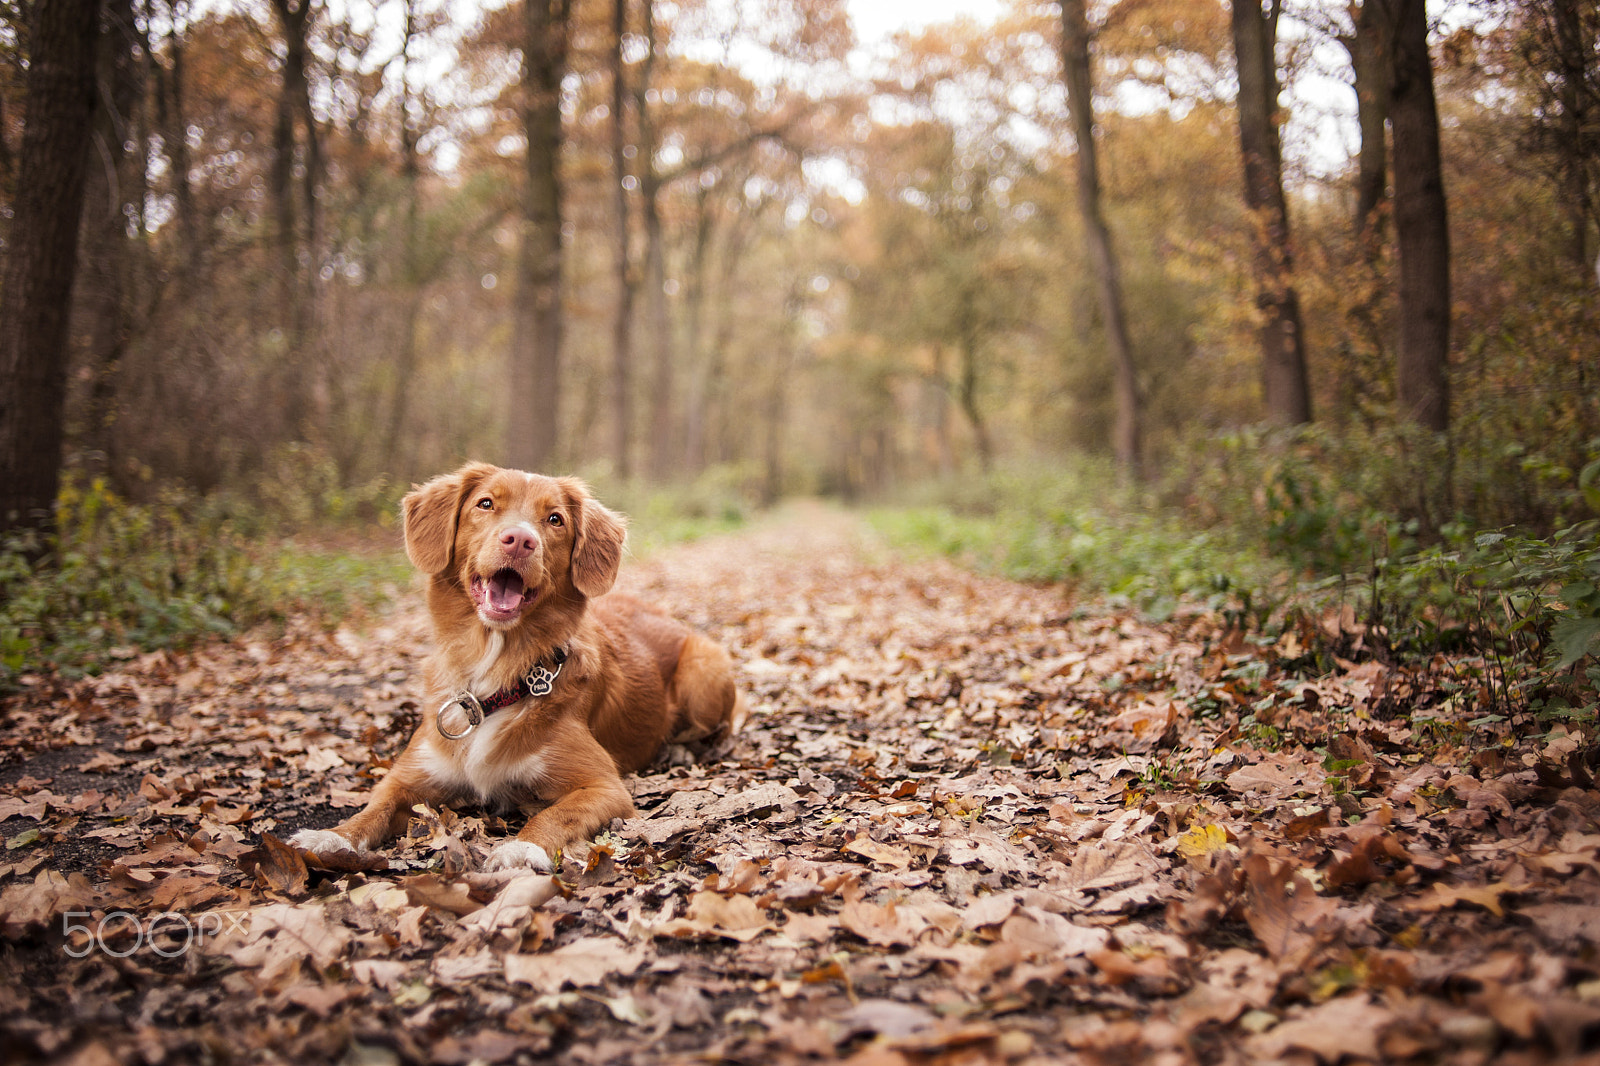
[
  {"x": 431, "y": 890},
  {"x": 1486, "y": 896},
  {"x": 1283, "y": 909},
  {"x": 30, "y": 906},
  {"x": 1363, "y": 864},
  {"x": 510, "y": 910},
  {"x": 1568, "y": 925},
  {"x": 584, "y": 962},
  {"x": 276, "y": 866},
  {"x": 278, "y": 937},
  {"x": 1152, "y": 974},
  {"x": 1040, "y": 934},
  {"x": 1351, "y": 1025},
  {"x": 1214, "y": 896},
  {"x": 892, "y": 925},
  {"x": 886, "y": 854},
  {"x": 1304, "y": 825},
  {"x": 711, "y": 914}
]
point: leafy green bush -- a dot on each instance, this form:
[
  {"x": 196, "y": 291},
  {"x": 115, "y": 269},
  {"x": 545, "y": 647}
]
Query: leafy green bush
[
  {"x": 1532, "y": 602},
  {"x": 117, "y": 578},
  {"x": 1075, "y": 525},
  {"x": 1330, "y": 500},
  {"x": 301, "y": 488}
]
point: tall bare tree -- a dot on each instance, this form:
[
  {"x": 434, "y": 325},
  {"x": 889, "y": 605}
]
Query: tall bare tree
[
  {"x": 651, "y": 183},
  {"x": 1283, "y": 360},
  {"x": 1368, "y": 46},
  {"x": 36, "y": 287},
  {"x": 1558, "y": 46},
  {"x": 168, "y": 91},
  {"x": 535, "y": 390},
  {"x": 297, "y": 251},
  {"x": 1102, "y": 255},
  {"x": 101, "y": 293},
  {"x": 1421, "y": 222},
  {"x": 405, "y": 367},
  {"x": 622, "y": 320}
]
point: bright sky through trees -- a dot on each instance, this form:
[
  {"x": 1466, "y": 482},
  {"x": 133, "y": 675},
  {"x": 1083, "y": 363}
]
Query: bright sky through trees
[{"x": 875, "y": 20}]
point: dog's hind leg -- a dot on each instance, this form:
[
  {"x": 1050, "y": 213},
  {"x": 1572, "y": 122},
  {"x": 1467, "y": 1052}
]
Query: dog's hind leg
[{"x": 702, "y": 694}]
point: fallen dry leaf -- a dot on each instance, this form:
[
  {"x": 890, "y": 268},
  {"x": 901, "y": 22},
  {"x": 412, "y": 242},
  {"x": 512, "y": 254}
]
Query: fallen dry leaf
[
  {"x": 582, "y": 964},
  {"x": 713, "y": 914}
]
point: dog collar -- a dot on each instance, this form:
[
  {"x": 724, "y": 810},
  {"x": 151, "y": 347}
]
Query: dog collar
[{"x": 538, "y": 681}]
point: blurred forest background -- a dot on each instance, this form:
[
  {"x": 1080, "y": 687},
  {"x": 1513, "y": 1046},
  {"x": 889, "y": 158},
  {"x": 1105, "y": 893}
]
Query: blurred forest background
[{"x": 1313, "y": 278}]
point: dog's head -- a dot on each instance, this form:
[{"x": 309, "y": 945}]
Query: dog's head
[{"x": 512, "y": 539}]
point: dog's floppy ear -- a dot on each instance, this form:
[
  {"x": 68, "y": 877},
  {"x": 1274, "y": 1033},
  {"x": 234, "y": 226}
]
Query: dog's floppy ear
[
  {"x": 431, "y": 513},
  {"x": 597, "y": 549}
]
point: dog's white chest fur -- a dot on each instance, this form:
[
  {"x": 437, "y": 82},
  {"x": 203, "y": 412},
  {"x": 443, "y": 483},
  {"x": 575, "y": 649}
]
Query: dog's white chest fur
[
  {"x": 478, "y": 681},
  {"x": 474, "y": 768},
  {"x": 477, "y": 766}
]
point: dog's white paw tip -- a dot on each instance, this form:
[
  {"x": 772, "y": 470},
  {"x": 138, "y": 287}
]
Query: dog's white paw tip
[
  {"x": 518, "y": 855},
  {"x": 320, "y": 841}
]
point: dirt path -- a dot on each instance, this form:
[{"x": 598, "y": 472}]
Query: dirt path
[{"x": 969, "y": 821}]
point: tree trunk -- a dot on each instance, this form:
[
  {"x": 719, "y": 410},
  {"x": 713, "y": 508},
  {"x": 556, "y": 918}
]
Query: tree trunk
[
  {"x": 1102, "y": 255},
  {"x": 775, "y": 409},
  {"x": 967, "y": 390},
  {"x": 297, "y": 259},
  {"x": 1571, "y": 46},
  {"x": 622, "y": 323},
  {"x": 175, "y": 134},
  {"x": 694, "y": 415},
  {"x": 5, "y": 150},
  {"x": 1369, "y": 61},
  {"x": 717, "y": 437},
  {"x": 535, "y": 380},
  {"x": 396, "y": 452},
  {"x": 102, "y": 291},
  {"x": 1421, "y": 223},
  {"x": 43, "y": 258},
  {"x": 1283, "y": 361},
  {"x": 655, "y": 263}
]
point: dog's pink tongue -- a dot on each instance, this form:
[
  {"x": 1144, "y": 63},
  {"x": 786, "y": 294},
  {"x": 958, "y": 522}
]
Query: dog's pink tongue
[{"x": 505, "y": 591}]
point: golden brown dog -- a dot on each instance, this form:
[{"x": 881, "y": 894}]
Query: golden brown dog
[{"x": 542, "y": 688}]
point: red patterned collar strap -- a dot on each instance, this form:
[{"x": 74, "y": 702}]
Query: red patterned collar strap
[{"x": 540, "y": 680}]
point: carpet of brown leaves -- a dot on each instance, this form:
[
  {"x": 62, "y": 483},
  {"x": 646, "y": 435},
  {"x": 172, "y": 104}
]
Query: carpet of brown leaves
[{"x": 969, "y": 822}]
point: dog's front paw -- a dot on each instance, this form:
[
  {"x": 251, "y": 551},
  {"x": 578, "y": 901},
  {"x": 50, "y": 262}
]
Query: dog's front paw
[
  {"x": 321, "y": 842},
  {"x": 517, "y": 855}
]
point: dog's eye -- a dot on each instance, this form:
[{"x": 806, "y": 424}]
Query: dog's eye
[
  {"x": 555, "y": 519},
  {"x": 487, "y": 503}
]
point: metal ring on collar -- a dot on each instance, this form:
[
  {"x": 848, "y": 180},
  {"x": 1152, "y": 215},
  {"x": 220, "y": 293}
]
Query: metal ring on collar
[{"x": 468, "y": 703}]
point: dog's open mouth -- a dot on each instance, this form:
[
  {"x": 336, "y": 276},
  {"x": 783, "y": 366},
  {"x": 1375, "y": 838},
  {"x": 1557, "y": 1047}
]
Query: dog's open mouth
[{"x": 501, "y": 596}]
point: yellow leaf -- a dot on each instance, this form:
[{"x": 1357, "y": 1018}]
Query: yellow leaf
[{"x": 1201, "y": 841}]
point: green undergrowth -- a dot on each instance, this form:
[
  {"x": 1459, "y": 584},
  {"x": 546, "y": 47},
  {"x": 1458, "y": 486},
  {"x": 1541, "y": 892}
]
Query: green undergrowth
[
  {"x": 718, "y": 501},
  {"x": 121, "y": 578},
  {"x": 1528, "y": 604}
]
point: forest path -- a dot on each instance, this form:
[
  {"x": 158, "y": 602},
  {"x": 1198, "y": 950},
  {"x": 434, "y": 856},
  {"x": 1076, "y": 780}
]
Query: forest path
[{"x": 968, "y": 821}]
